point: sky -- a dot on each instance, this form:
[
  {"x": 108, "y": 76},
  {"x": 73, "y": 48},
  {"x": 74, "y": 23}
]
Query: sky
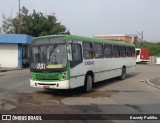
[{"x": 97, "y": 17}]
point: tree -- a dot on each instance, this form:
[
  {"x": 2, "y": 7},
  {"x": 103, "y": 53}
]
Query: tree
[
  {"x": 34, "y": 24},
  {"x": 7, "y": 24},
  {"x": 154, "y": 47}
]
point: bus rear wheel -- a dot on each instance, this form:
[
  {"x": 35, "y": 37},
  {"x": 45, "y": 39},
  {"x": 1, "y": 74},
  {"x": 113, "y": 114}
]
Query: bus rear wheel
[
  {"x": 88, "y": 83},
  {"x": 123, "y": 74}
]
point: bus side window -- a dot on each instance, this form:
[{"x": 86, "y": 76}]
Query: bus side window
[
  {"x": 126, "y": 51},
  {"x": 123, "y": 51},
  {"x": 98, "y": 50},
  {"x": 87, "y": 50},
  {"x": 108, "y": 51},
  {"x": 129, "y": 52},
  {"x": 116, "y": 51},
  {"x": 76, "y": 55}
]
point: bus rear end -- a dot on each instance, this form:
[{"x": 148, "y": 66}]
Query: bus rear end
[
  {"x": 145, "y": 55},
  {"x": 142, "y": 55}
]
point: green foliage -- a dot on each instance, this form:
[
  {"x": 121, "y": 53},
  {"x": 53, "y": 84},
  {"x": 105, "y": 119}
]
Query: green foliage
[
  {"x": 7, "y": 25},
  {"x": 154, "y": 47},
  {"x": 34, "y": 24}
]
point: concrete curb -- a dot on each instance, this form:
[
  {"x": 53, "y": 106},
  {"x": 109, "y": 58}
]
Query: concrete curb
[
  {"x": 148, "y": 82},
  {"x": 6, "y": 70}
]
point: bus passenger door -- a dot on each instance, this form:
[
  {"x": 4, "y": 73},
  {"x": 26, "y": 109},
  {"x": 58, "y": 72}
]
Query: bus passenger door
[{"x": 76, "y": 68}]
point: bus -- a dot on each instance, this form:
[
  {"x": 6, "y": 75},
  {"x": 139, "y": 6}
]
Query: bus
[
  {"x": 69, "y": 61},
  {"x": 142, "y": 55}
]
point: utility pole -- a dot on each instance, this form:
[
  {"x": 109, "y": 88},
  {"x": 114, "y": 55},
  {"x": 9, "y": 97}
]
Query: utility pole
[
  {"x": 19, "y": 18},
  {"x": 142, "y": 35}
]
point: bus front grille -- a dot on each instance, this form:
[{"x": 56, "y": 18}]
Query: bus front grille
[{"x": 45, "y": 84}]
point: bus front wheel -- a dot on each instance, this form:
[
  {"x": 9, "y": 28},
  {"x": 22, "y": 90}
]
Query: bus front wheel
[{"x": 88, "y": 83}]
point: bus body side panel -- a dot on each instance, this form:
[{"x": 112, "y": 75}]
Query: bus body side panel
[
  {"x": 112, "y": 67},
  {"x": 103, "y": 69},
  {"x": 77, "y": 76}
]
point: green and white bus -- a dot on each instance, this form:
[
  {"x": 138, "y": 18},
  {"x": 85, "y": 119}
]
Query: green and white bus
[{"x": 69, "y": 61}]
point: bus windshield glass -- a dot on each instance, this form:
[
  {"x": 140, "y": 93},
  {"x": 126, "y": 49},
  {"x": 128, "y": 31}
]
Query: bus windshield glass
[{"x": 48, "y": 56}]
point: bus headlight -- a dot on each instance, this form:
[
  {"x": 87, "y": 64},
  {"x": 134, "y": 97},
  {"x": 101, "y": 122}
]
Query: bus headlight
[{"x": 64, "y": 76}]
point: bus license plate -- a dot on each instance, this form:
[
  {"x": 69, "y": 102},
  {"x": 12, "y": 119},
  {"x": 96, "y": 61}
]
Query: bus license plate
[{"x": 46, "y": 86}]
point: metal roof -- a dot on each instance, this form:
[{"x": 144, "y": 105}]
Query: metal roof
[{"x": 15, "y": 38}]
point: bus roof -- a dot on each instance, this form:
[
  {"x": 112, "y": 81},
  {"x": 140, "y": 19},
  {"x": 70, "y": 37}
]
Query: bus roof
[{"x": 86, "y": 39}]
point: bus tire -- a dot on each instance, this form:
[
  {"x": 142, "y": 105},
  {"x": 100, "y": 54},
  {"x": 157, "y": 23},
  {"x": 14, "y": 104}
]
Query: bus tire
[
  {"x": 123, "y": 74},
  {"x": 88, "y": 83}
]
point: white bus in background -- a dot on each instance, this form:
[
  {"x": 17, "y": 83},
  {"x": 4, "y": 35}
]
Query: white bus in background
[{"x": 68, "y": 61}]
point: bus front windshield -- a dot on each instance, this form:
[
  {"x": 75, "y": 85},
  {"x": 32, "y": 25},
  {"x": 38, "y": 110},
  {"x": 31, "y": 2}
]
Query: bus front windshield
[{"x": 52, "y": 56}]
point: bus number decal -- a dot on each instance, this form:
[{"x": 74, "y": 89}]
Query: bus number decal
[
  {"x": 41, "y": 66},
  {"x": 89, "y": 63},
  {"x": 54, "y": 66}
]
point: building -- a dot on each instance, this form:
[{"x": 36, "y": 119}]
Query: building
[
  {"x": 14, "y": 50},
  {"x": 119, "y": 37}
]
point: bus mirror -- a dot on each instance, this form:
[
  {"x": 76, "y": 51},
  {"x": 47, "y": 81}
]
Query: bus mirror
[{"x": 69, "y": 52}]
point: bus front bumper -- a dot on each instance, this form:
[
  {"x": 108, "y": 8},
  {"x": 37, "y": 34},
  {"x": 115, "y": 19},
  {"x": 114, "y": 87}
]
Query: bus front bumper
[{"x": 50, "y": 85}]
